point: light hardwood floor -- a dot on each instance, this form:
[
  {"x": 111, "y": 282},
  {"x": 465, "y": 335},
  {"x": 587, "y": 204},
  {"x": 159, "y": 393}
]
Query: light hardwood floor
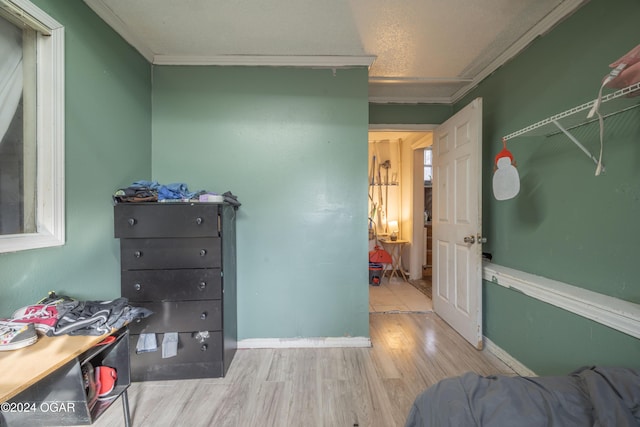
[
  {"x": 334, "y": 387},
  {"x": 397, "y": 296}
]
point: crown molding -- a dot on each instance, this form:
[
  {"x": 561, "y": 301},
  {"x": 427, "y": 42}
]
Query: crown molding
[
  {"x": 413, "y": 80},
  {"x": 337, "y": 61},
  {"x": 310, "y": 61},
  {"x": 410, "y": 100}
]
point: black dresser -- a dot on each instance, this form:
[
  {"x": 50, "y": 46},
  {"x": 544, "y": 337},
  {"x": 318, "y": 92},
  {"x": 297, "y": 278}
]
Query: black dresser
[{"x": 179, "y": 260}]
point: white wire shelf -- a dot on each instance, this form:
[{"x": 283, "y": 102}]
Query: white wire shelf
[{"x": 611, "y": 104}]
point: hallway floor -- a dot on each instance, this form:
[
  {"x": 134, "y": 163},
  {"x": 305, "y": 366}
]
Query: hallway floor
[{"x": 397, "y": 296}]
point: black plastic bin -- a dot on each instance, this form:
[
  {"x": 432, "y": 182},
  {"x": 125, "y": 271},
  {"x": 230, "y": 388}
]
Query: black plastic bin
[{"x": 375, "y": 273}]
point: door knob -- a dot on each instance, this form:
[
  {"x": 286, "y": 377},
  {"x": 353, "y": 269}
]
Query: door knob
[
  {"x": 481, "y": 239},
  {"x": 470, "y": 239}
]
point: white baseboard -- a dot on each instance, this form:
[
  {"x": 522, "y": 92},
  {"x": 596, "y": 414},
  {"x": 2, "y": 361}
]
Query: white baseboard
[
  {"x": 508, "y": 360},
  {"x": 326, "y": 342},
  {"x": 623, "y": 316}
]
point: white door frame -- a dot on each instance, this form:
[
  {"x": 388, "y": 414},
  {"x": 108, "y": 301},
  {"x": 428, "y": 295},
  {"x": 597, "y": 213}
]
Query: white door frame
[
  {"x": 468, "y": 325},
  {"x": 416, "y": 224}
]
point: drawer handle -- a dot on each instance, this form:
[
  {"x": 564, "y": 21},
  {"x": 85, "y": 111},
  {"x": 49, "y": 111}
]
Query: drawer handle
[
  {"x": 137, "y": 254},
  {"x": 132, "y": 221},
  {"x": 203, "y": 252},
  {"x": 137, "y": 286},
  {"x": 202, "y": 285},
  {"x": 204, "y": 347},
  {"x": 203, "y": 316},
  {"x": 198, "y": 220}
]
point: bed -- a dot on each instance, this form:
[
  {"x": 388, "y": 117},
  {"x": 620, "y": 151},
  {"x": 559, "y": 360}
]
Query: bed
[{"x": 590, "y": 396}]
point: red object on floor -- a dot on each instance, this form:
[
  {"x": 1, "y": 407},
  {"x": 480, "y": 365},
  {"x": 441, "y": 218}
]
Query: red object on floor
[{"x": 379, "y": 255}]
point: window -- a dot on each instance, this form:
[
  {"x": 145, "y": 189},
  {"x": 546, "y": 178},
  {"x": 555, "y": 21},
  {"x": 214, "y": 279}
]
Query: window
[
  {"x": 17, "y": 119},
  {"x": 31, "y": 128},
  {"x": 428, "y": 166}
]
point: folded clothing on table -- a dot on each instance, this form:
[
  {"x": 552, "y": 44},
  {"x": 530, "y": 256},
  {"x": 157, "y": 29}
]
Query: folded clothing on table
[{"x": 61, "y": 315}]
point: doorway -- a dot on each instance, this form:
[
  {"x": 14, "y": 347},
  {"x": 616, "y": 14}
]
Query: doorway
[
  {"x": 457, "y": 219},
  {"x": 397, "y": 206}
]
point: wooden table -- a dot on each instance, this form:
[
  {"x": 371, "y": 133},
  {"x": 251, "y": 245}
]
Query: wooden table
[
  {"x": 394, "y": 247},
  {"x": 26, "y": 366},
  {"x": 33, "y": 366}
]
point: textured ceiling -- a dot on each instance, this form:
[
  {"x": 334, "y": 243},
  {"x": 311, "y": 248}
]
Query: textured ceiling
[{"x": 416, "y": 50}]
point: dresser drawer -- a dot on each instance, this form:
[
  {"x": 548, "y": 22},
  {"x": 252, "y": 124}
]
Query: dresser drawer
[
  {"x": 180, "y": 316},
  {"x": 195, "y": 359},
  {"x": 148, "y": 254},
  {"x": 165, "y": 220},
  {"x": 171, "y": 285}
]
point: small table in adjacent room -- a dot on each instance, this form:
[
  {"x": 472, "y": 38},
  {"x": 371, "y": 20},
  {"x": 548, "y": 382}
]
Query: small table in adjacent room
[{"x": 394, "y": 247}]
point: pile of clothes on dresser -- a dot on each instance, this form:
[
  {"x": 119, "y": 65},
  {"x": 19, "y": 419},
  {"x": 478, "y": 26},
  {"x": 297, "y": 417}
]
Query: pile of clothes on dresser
[
  {"x": 57, "y": 315},
  {"x": 152, "y": 191}
]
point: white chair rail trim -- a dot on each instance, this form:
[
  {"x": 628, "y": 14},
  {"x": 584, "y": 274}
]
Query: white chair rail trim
[{"x": 623, "y": 316}]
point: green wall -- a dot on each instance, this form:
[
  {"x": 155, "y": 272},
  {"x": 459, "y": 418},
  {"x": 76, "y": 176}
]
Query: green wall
[
  {"x": 566, "y": 224},
  {"x": 550, "y": 340},
  {"x": 292, "y": 145},
  {"x": 108, "y": 145},
  {"x": 409, "y": 113}
]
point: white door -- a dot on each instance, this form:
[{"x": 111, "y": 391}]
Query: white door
[{"x": 457, "y": 212}]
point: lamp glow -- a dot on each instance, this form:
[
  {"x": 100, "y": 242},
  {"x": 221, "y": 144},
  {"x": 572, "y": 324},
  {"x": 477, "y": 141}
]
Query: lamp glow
[{"x": 393, "y": 227}]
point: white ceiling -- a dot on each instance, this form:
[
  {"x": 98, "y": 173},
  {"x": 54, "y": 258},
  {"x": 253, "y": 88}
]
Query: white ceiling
[{"x": 416, "y": 50}]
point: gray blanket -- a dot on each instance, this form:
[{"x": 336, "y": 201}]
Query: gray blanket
[{"x": 590, "y": 396}]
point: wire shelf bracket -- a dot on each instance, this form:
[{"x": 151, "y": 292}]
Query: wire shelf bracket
[{"x": 611, "y": 104}]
